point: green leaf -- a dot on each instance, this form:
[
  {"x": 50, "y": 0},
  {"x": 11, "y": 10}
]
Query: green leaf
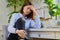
[
  {"x": 54, "y": 9},
  {"x": 9, "y": 18},
  {"x": 51, "y": 13},
  {"x": 14, "y": 4},
  {"x": 10, "y": 15}
]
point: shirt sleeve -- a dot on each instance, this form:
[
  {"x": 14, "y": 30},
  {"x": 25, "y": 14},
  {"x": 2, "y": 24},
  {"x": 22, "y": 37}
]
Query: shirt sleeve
[
  {"x": 36, "y": 23},
  {"x": 11, "y": 29}
]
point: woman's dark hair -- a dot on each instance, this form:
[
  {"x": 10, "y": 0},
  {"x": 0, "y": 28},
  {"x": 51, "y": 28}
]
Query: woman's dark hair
[{"x": 30, "y": 15}]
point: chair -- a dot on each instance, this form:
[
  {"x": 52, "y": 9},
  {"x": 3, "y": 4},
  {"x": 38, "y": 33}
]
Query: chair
[{"x": 5, "y": 32}]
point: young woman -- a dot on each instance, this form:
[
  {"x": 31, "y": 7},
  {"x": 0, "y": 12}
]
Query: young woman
[{"x": 29, "y": 14}]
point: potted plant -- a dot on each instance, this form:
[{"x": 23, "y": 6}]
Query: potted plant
[
  {"x": 54, "y": 9},
  {"x": 14, "y": 4}
]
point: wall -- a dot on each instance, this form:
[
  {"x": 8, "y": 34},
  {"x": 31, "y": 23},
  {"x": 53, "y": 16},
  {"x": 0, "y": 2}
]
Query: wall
[{"x": 4, "y": 11}]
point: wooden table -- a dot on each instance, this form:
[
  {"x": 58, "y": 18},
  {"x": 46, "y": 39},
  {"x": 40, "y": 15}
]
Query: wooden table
[{"x": 45, "y": 33}]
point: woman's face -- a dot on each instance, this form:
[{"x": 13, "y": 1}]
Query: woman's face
[{"x": 26, "y": 10}]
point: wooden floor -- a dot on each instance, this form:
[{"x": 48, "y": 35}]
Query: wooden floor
[{"x": 41, "y": 39}]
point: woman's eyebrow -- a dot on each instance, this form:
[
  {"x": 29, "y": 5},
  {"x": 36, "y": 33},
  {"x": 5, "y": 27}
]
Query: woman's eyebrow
[{"x": 28, "y": 8}]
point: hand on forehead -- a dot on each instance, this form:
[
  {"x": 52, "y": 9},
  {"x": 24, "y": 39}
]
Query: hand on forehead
[{"x": 29, "y": 6}]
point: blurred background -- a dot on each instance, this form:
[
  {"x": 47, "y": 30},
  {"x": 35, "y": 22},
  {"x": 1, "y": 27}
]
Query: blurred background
[{"x": 48, "y": 10}]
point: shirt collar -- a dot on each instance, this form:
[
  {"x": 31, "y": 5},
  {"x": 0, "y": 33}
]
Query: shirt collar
[{"x": 22, "y": 16}]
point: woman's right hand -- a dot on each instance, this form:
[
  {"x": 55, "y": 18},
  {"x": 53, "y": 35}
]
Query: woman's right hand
[{"x": 21, "y": 33}]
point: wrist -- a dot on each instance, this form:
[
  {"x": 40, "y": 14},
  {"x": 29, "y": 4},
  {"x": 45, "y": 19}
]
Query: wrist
[{"x": 16, "y": 31}]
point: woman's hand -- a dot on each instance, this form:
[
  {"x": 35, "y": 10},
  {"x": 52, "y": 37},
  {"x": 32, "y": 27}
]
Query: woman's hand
[
  {"x": 34, "y": 11},
  {"x": 21, "y": 33}
]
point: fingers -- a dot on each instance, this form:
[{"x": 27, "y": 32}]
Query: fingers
[
  {"x": 21, "y": 33},
  {"x": 32, "y": 8}
]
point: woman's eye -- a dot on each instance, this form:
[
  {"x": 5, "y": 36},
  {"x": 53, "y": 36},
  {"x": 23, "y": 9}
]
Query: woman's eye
[{"x": 28, "y": 8}]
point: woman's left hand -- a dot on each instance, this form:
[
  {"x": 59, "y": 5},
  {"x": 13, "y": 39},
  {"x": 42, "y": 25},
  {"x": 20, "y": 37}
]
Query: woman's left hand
[
  {"x": 34, "y": 11},
  {"x": 21, "y": 33}
]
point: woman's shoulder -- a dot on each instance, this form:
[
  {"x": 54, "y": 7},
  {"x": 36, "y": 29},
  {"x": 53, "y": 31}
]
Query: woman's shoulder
[{"x": 17, "y": 14}]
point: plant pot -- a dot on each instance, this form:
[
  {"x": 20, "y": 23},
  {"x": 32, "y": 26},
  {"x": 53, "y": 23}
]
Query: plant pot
[{"x": 49, "y": 23}]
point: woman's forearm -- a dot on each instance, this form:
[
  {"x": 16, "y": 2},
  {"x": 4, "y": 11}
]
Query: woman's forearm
[
  {"x": 38, "y": 22},
  {"x": 11, "y": 29}
]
